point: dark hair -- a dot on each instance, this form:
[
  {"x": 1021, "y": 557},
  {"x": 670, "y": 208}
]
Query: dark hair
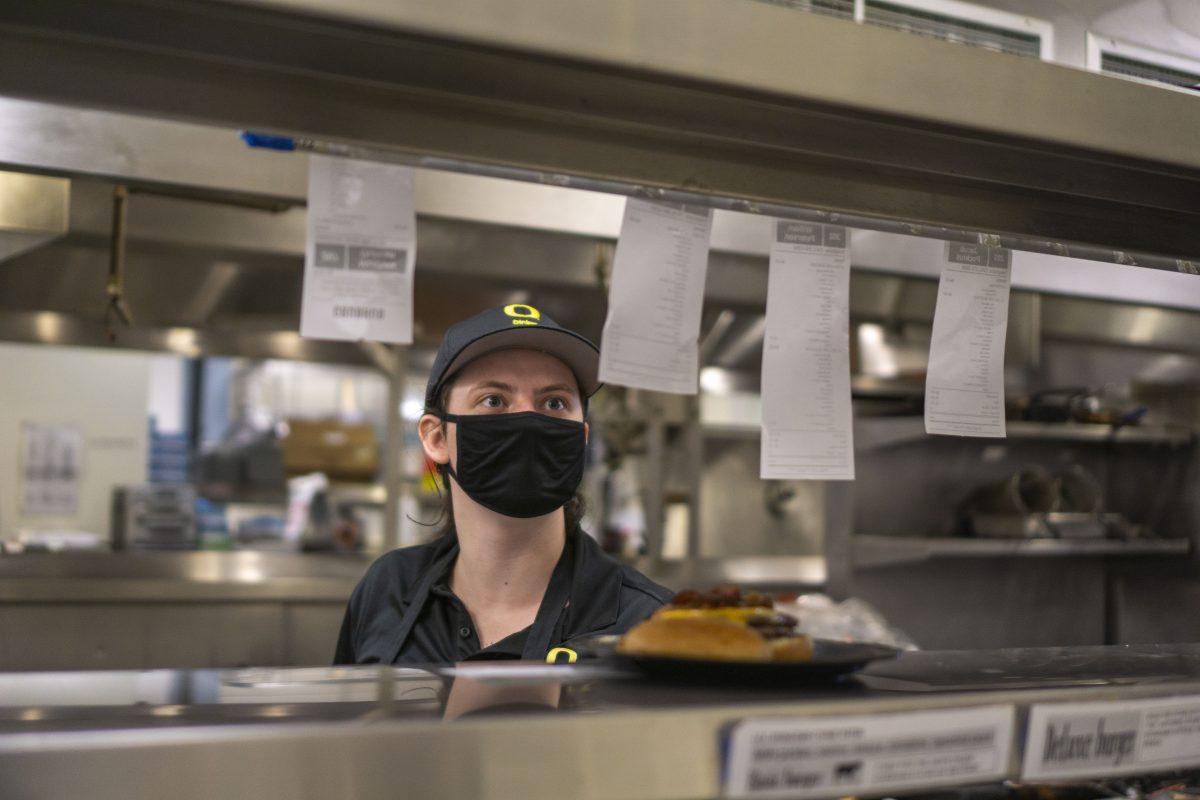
[{"x": 573, "y": 509}]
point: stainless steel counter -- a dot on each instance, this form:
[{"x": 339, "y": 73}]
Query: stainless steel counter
[
  {"x": 183, "y": 576},
  {"x": 232, "y": 609},
  {"x": 182, "y": 610},
  {"x": 263, "y": 575},
  {"x": 588, "y": 730}
]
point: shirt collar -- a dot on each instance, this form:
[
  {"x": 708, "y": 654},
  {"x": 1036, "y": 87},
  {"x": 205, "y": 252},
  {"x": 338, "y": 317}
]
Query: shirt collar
[{"x": 595, "y": 594}]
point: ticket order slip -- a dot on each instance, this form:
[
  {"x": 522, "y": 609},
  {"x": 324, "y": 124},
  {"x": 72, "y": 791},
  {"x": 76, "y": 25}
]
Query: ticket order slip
[
  {"x": 651, "y": 336},
  {"x": 964, "y": 386},
  {"x": 361, "y": 250},
  {"x": 807, "y": 418}
]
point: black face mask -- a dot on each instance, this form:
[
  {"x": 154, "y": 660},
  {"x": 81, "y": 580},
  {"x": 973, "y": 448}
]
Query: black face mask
[{"x": 525, "y": 464}]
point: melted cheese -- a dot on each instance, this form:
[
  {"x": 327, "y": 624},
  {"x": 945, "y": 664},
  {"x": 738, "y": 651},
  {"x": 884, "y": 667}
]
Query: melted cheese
[{"x": 742, "y": 615}]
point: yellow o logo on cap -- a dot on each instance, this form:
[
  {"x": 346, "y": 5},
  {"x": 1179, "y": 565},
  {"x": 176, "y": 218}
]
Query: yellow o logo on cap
[
  {"x": 522, "y": 314},
  {"x": 552, "y": 656}
]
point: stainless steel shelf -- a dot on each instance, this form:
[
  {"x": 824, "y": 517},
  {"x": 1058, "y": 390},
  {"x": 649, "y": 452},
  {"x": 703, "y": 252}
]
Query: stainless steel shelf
[
  {"x": 794, "y": 572},
  {"x": 1080, "y": 432},
  {"x": 873, "y": 433},
  {"x": 878, "y": 551}
]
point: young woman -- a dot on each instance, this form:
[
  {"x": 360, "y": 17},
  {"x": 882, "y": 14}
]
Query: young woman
[{"x": 514, "y": 576}]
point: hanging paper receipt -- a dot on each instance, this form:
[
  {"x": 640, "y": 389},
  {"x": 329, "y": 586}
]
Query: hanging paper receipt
[
  {"x": 358, "y": 265},
  {"x": 651, "y": 336},
  {"x": 868, "y": 754},
  {"x": 807, "y": 421},
  {"x": 1080, "y": 740},
  {"x": 964, "y": 387}
]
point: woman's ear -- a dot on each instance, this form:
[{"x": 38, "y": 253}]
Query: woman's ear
[
  {"x": 587, "y": 430},
  {"x": 434, "y": 440}
]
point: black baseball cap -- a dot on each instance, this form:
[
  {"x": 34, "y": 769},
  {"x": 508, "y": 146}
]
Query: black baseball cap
[{"x": 516, "y": 325}]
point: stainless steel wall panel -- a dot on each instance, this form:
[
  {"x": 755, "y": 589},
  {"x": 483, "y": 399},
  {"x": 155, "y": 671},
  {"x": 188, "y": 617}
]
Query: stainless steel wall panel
[
  {"x": 1155, "y": 604},
  {"x": 735, "y": 506},
  {"x": 71, "y": 636},
  {"x": 210, "y": 635},
  {"x": 34, "y": 209},
  {"x": 41, "y": 637},
  {"x": 990, "y": 602},
  {"x": 310, "y": 632}
]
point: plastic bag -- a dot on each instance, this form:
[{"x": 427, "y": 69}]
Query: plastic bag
[{"x": 851, "y": 620}]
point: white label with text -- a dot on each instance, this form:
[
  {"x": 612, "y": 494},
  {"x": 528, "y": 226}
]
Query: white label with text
[
  {"x": 834, "y": 756},
  {"x": 1077, "y": 740}
]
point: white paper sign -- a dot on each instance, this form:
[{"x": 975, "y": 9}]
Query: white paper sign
[
  {"x": 807, "y": 421},
  {"x": 828, "y": 757},
  {"x": 651, "y": 336},
  {"x": 358, "y": 265},
  {"x": 1076, "y": 740},
  {"x": 964, "y": 387},
  {"x": 836, "y": 756},
  {"x": 51, "y": 460}
]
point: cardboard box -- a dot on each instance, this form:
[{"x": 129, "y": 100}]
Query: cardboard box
[{"x": 342, "y": 451}]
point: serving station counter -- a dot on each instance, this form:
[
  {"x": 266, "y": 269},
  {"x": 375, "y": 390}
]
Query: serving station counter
[{"x": 593, "y": 729}]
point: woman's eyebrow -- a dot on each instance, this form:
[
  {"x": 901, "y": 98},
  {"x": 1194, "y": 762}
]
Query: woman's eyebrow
[
  {"x": 558, "y": 387},
  {"x": 504, "y": 387}
]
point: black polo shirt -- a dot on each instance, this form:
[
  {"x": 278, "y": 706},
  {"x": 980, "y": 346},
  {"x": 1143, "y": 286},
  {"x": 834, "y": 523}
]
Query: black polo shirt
[
  {"x": 403, "y": 611},
  {"x": 445, "y": 632}
]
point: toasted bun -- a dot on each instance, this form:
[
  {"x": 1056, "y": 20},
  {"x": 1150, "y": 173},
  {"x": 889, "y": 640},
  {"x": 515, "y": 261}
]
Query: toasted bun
[
  {"x": 695, "y": 637},
  {"x": 792, "y": 648}
]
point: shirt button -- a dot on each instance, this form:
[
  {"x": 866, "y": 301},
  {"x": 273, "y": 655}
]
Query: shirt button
[{"x": 464, "y": 631}]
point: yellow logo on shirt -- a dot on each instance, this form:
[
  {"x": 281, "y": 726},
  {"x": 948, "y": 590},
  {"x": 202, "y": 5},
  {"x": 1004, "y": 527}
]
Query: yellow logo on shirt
[
  {"x": 553, "y": 656},
  {"x": 522, "y": 314}
]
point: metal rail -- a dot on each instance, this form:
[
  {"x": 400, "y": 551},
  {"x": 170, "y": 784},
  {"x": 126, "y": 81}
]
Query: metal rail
[
  {"x": 765, "y": 109},
  {"x": 950, "y": 234}
]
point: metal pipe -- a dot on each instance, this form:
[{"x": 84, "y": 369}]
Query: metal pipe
[
  {"x": 743, "y": 344},
  {"x": 273, "y": 205},
  {"x": 710, "y": 340},
  {"x": 1035, "y": 330},
  {"x": 653, "y": 467},
  {"x": 1013, "y": 242},
  {"x": 195, "y": 413},
  {"x": 694, "y": 444},
  {"x": 115, "y": 288}
]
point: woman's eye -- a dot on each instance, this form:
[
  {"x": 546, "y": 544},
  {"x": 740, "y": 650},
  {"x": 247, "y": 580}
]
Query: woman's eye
[
  {"x": 556, "y": 404},
  {"x": 492, "y": 401}
]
